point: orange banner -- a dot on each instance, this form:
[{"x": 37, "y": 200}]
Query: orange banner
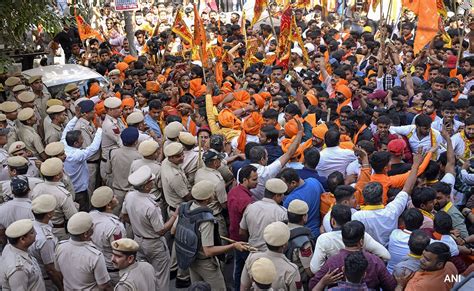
[
  {"x": 427, "y": 26},
  {"x": 86, "y": 31}
]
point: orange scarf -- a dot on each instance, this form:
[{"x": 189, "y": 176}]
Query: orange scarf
[
  {"x": 251, "y": 125},
  {"x": 356, "y": 136}
]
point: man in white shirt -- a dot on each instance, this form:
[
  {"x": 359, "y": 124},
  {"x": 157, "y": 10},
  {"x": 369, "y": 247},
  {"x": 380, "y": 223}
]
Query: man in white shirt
[
  {"x": 420, "y": 135},
  {"x": 463, "y": 138},
  {"x": 380, "y": 220},
  {"x": 333, "y": 158},
  {"x": 398, "y": 242},
  {"x": 448, "y": 111},
  {"x": 329, "y": 243},
  {"x": 344, "y": 195}
]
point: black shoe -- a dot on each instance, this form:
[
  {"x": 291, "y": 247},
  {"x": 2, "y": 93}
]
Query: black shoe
[
  {"x": 179, "y": 284},
  {"x": 173, "y": 274}
]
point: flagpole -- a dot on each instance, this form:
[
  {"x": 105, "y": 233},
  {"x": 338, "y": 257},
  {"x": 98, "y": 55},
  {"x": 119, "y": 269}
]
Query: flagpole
[
  {"x": 466, "y": 14},
  {"x": 271, "y": 22}
]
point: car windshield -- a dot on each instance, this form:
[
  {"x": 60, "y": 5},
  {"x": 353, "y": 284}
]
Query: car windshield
[{"x": 57, "y": 90}]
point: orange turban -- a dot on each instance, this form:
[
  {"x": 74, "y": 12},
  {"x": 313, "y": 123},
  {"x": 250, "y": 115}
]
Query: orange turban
[
  {"x": 122, "y": 66},
  {"x": 291, "y": 127},
  {"x": 152, "y": 86},
  {"x": 320, "y": 131},
  {"x": 94, "y": 90},
  {"x": 161, "y": 79},
  {"x": 99, "y": 108},
  {"x": 345, "y": 142},
  {"x": 311, "y": 119},
  {"x": 285, "y": 146},
  {"x": 259, "y": 100},
  {"x": 312, "y": 99},
  {"x": 227, "y": 119},
  {"x": 251, "y": 125},
  {"x": 344, "y": 90},
  {"x": 129, "y": 102},
  {"x": 129, "y": 59},
  {"x": 118, "y": 95}
]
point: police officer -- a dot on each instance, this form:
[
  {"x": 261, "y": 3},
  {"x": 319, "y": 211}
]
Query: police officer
[
  {"x": 118, "y": 166},
  {"x": 19, "y": 270},
  {"x": 10, "y": 83},
  {"x": 52, "y": 170},
  {"x": 41, "y": 95},
  {"x": 171, "y": 132},
  {"x": 276, "y": 237},
  {"x": 78, "y": 259},
  {"x": 176, "y": 187},
  {"x": 10, "y": 109},
  {"x": 300, "y": 244},
  {"x": 191, "y": 161},
  {"x": 263, "y": 274},
  {"x": 206, "y": 266},
  {"x": 18, "y": 148},
  {"x": 28, "y": 134},
  {"x": 3, "y": 141},
  {"x": 16, "y": 166},
  {"x": 45, "y": 244},
  {"x": 137, "y": 119},
  {"x": 20, "y": 206},
  {"x": 86, "y": 125},
  {"x": 263, "y": 212},
  {"x": 52, "y": 133},
  {"x": 133, "y": 275},
  {"x": 147, "y": 224},
  {"x": 56, "y": 150},
  {"x": 107, "y": 226},
  {"x": 212, "y": 161},
  {"x": 149, "y": 150},
  {"x": 112, "y": 126}
]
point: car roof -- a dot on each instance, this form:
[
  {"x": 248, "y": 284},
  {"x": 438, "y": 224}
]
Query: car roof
[{"x": 62, "y": 74}]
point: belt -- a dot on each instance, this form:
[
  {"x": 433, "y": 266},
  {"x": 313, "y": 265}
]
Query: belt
[
  {"x": 142, "y": 237},
  {"x": 95, "y": 162},
  {"x": 112, "y": 270},
  {"x": 60, "y": 225}
]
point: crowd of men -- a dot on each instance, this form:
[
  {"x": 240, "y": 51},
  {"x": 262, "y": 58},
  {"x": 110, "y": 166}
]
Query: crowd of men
[{"x": 352, "y": 169}]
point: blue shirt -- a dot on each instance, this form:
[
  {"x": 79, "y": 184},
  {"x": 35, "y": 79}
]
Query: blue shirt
[
  {"x": 306, "y": 173},
  {"x": 153, "y": 125},
  {"x": 309, "y": 192}
]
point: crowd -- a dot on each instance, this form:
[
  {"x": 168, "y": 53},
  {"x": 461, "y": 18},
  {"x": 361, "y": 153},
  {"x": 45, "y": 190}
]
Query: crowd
[{"x": 327, "y": 151}]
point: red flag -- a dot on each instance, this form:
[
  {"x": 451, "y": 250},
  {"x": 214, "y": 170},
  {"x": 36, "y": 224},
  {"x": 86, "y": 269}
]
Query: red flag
[
  {"x": 284, "y": 44},
  {"x": 180, "y": 28},
  {"x": 86, "y": 31},
  {"x": 258, "y": 9},
  {"x": 427, "y": 26}
]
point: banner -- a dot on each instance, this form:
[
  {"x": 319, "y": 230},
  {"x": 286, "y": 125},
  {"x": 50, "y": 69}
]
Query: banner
[{"x": 126, "y": 5}]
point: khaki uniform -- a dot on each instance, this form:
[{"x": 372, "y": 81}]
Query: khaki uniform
[
  {"x": 146, "y": 220},
  {"x": 118, "y": 170},
  {"x": 111, "y": 129},
  {"x": 175, "y": 184},
  {"x": 191, "y": 164},
  {"x": 20, "y": 271},
  {"x": 41, "y": 102},
  {"x": 257, "y": 216},
  {"x": 137, "y": 277},
  {"x": 16, "y": 209},
  {"x": 82, "y": 265},
  {"x": 88, "y": 131},
  {"x": 52, "y": 133},
  {"x": 43, "y": 249},
  {"x": 12, "y": 134},
  {"x": 205, "y": 268},
  {"x": 65, "y": 208},
  {"x": 155, "y": 167},
  {"x": 31, "y": 138},
  {"x": 215, "y": 177},
  {"x": 302, "y": 257},
  {"x": 107, "y": 228},
  {"x": 6, "y": 188},
  {"x": 287, "y": 278}
]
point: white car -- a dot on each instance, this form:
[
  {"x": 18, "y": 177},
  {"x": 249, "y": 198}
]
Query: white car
[{"x": 56, "y": 77}]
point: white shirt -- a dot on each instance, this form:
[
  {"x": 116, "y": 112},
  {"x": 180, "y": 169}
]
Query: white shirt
[
  {"x": 414, "y": 140},
  {"x": 334, "y": 159},
  {"x": 438, "y": 125},
  {"x": 353, "y": 168},
  {"x": 459, "y": 145},
  {"x": 249, "y": 138},
  {"x": 451, "y": 243},
  {"x": 398, "y": 247},
  {"x": 265, "y": 173},
  {"x": 328, "y": 244},
  {"x": 327, "y": 220},
  {"x": 75, "y": 164},
  {"x": 381, "y": 222},
  {"x": 467, "y": 178}
]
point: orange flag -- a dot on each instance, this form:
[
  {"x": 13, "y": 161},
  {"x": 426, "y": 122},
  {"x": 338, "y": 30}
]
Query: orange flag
[
  {"x": 284, "y": 44},
  {"x": 258, "y": 9},
  {"x": 199, "y": 40},
  {"x": 86, "y": 31},
  {"x": 303, "y": 3},
  {"x": 180, "y": 28},
  {"x": 427, "y": 27}
]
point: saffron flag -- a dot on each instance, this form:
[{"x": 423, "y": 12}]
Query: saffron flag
[
  {"x": 303, "y": 3},
  {"x": 284, "y": 44},
  {"x": 258, "y": 9},
  {"x": 86, "y": 31},
  {"x": 296, "y": 37},
  {"x": 199, "y": 39},
  {"x": 180, "y": 27},
  {"x": 427, "y": 27}
]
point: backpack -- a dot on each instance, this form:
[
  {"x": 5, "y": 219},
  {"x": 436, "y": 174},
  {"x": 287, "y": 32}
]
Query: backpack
[
  {"x": 187, "y": 237},
  {"x": 298, "y": 238}
]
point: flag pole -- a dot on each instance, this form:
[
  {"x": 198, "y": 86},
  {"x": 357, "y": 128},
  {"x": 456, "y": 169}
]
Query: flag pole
[{"x": 271, "y": 23}]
